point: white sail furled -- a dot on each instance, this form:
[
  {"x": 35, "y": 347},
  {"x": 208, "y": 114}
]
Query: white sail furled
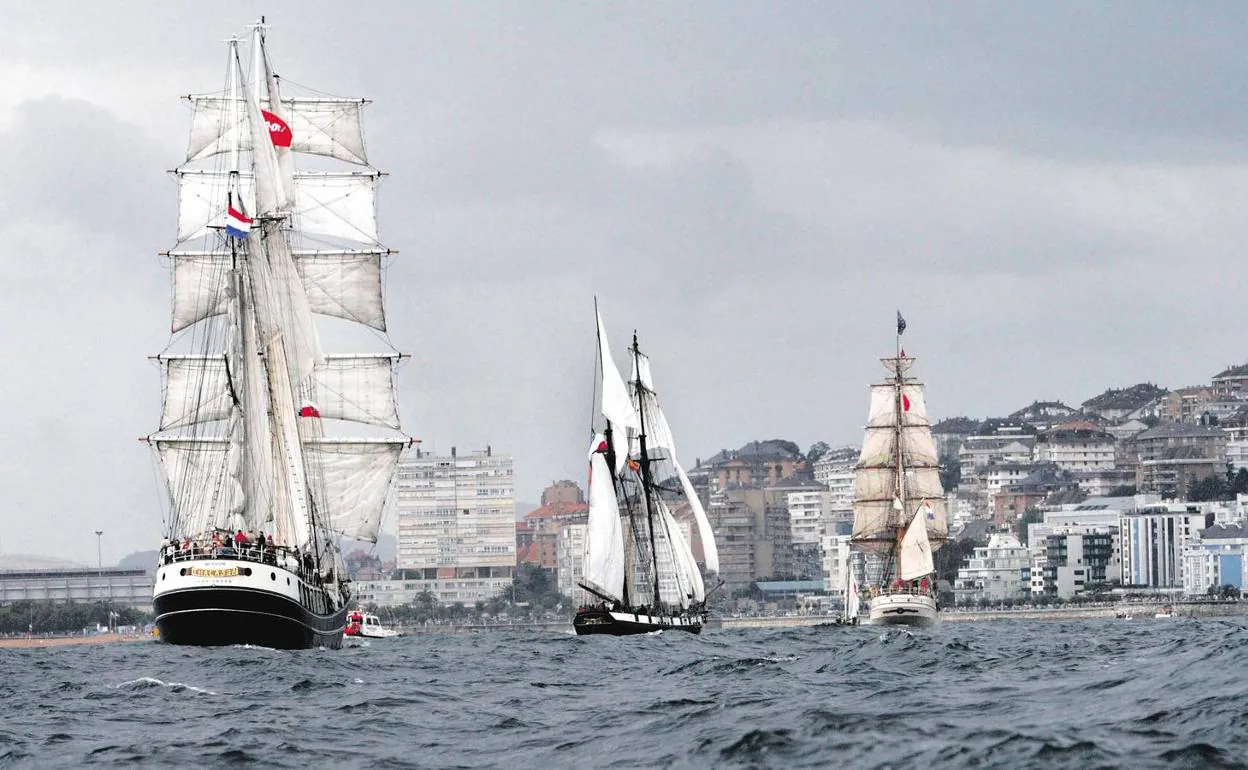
[
  {"x": 710, "y": 553},
  {"x": 327, "y": 127},
  {"x": 199, "y": 483},
  {"x": 604, "y": 544},
  {"x": 688, "y": 579},
  {"x": 350, "y": 480},
  {"x": 359, "y": 388},
  {"x": 197, "y": 390},
  {"x": 915, "y": 557},
  {"x": 328, "y": 204},
  {"x": 258, "y": 484},
  {"x": 343, "y": 284},
  {"x": 852, "y": 599}
]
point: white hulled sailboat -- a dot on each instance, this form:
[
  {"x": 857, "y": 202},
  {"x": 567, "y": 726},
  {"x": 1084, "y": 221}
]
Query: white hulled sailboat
[
  {"x": 639, "y": 568},
  {"x": 899, "y": 507},
  {"x": 260, "y": 490}
]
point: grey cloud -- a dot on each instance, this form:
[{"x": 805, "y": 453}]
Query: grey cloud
[{"x": 1050, "y": 195}]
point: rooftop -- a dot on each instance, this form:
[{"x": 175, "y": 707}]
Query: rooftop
[
  {"x": 1179, "y": 430},
  {"x": 1232, "y": 371},
  {"x": 1132, "y": 397},
  {"x": 1225, "y": 532}
]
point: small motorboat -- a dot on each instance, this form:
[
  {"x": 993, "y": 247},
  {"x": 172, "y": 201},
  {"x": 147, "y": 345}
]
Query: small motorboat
[{"x": 366, "y": 625}]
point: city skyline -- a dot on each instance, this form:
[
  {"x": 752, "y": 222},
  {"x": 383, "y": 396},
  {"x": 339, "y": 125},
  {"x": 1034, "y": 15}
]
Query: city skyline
[{"x": 1047, "y": 194}]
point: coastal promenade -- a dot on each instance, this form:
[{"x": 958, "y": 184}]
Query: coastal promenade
[
  {"x": 26, "y": 642},
  {"x": 1136, "y": 610}
]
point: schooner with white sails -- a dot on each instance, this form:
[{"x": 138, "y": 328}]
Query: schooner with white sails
[
  {"x": 899, "y": 506},
  {"x": 640, "y": 573},
  {"x": 277, "y": 248}
]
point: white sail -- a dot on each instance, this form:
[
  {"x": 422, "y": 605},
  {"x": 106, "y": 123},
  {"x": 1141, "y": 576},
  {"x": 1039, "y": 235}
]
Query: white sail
[
  {"x": 354, "y": 478},
  {"x": 604, "y": 544},
  {"x": 710, "y": 553},
  {"x": 852, "y": 598},
  {"x": 646, "y": 402},
  {"x": 343, "y": 284},
  {"x": 201, "y": 280},
  {"x": 328, "y": 205},
  {"x": 327, "y": 127},
  {"x": 197, "y": 390},
  {"x": 616, "y": 404},
  {"x": 359, "y": 388},
  {"x": 897, "y": 424},
  {"x": 915, "y": 557},
  {"x": 688, "y": 580},
  {"x": 199, "y": 484}
]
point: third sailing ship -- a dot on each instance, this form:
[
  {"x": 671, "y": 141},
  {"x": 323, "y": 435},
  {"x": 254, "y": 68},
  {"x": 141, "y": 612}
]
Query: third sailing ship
[
  {"x": 261, "y": 485},
  {"x": 638, "y": 563},
  {"x": 899, "y": 506}
]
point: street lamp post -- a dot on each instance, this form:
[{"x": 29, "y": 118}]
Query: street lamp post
[{"x": 99, "y": 555}]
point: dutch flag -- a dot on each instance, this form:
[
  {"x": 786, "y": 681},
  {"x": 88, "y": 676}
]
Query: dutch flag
[{"x": 237, "y": 223}]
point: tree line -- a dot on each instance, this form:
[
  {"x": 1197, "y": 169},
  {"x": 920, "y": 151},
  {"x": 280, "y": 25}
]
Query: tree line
[{"x": 48, "y": 617}]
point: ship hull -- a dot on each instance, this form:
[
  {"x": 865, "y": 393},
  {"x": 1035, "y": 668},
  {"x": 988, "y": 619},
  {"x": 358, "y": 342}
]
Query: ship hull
[
  {"x": 915, "y": 610},
  {"x": 591, "y": 621},
  {"x": 203, "y": 604}
]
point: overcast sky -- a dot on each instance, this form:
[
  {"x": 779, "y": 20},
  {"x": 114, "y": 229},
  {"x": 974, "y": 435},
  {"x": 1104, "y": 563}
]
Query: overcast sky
[{"x": 1052, "y": 194}]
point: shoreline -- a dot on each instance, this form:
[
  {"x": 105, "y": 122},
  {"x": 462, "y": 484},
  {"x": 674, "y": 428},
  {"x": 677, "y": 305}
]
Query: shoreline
[{"x": 29, "y": 642}]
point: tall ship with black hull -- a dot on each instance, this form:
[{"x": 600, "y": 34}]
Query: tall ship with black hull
[
  {"x": 899, "y": 506},
  {"x": 261, "y": 438},
  {"x": 640, "y": 574}
]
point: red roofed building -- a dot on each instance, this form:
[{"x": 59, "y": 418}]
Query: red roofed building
[{"x": 546, "y": 524}]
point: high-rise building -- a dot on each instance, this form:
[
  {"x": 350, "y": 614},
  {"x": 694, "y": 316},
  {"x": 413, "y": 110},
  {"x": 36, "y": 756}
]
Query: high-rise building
[
  {"x": 571, "y": 560},
  {"x": 1153, "y": 540},
  {"x": 456, "y": 518}
]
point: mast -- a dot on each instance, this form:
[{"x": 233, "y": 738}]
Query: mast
[
  {"x": 899, "y": 501},
  {"x": 646, "y": 482},
  {"x": 235, "y": 446}
]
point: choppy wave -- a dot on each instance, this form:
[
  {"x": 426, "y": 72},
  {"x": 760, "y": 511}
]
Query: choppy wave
[{"x": 991, "y": 694}]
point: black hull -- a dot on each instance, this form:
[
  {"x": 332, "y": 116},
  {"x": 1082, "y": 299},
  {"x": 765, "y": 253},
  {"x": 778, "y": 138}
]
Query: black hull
[
  {"x": 595, "y": 621},
  {"x": 216, "y": 616}
]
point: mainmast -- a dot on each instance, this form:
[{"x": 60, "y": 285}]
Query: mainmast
[
  {"x": 646, "y": 482},
  {"x": 899, "y": 500}
]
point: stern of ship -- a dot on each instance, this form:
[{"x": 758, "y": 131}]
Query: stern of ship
[{"x": 903, "y": 609}]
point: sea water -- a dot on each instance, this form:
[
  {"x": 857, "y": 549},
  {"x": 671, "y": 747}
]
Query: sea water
[{"x": 1002, "y": 693}]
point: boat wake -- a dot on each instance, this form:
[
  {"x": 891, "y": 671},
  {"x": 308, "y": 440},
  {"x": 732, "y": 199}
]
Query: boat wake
[{"x": 151, "y": 682}]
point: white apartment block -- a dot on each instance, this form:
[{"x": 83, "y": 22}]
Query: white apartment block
[
  {"x": 997, "y": 478},
  {"x": 1077, "y": 450},
  {"x": 1237, "y": 446},
  {"x": 1154, "y": 539},
  {"x": 456, "y": 520},
  {"x": 836, "y": 558},
  {"x": 978, "y": 452},
  {"x": 808, "y": 509},
  {"x": 835, "y": 470},
  {"x": 1215, "y": 559},
  {"x": 570, "y": 560},
  {"x": 996, "y": 571}
]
